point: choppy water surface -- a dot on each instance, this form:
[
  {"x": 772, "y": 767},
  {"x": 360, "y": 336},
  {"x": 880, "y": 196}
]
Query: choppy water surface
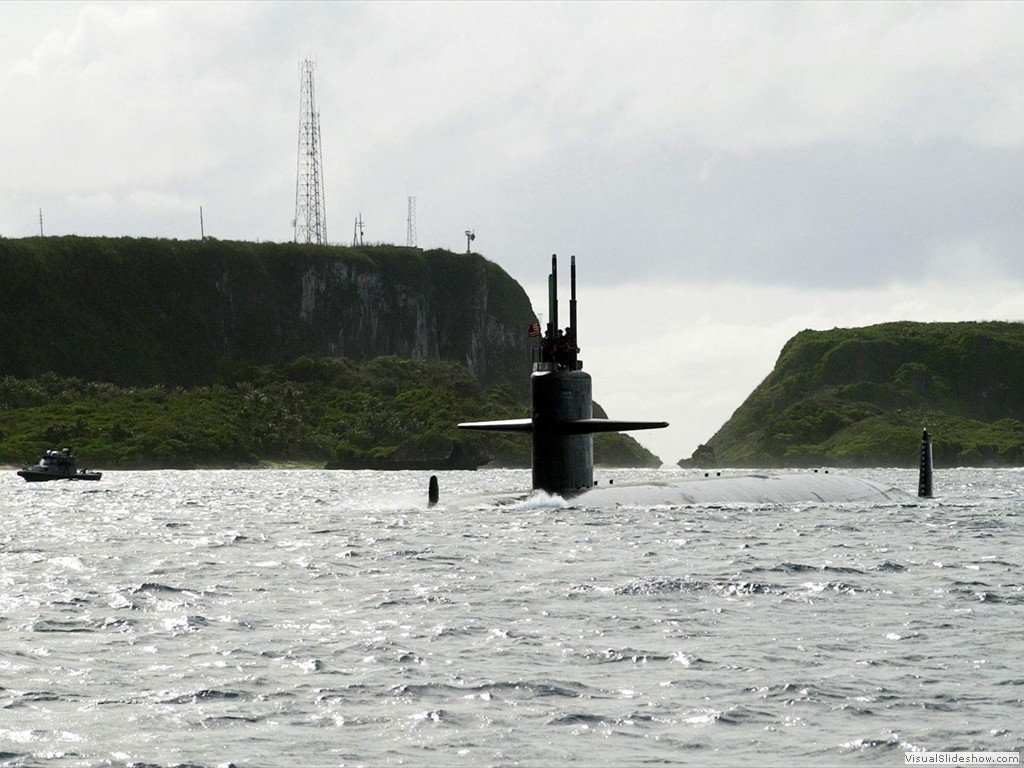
[{"x": 300, "y": 617}]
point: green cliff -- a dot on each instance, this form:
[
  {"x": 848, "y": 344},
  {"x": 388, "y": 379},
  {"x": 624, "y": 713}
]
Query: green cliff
[
  {"x": 150, "y": 311},
  {"x": 861, "y": 396}
]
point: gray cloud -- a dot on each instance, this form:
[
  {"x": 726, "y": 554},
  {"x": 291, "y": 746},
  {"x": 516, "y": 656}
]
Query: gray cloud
[
  {"x": 767, "y": 155},
  {"x": 795, "y": 144},
  {"x": 828, "y": 215}
]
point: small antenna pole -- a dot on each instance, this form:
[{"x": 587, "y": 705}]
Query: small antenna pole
[
  {"x": 572, "y": 296},
  {"x": 202, "y": 231},
  {"x": 553, "y": 297},
  {"x": 357, "y": 231},
  {"x": 40, "y": 222},
  {"x": 470, "y": 237}
]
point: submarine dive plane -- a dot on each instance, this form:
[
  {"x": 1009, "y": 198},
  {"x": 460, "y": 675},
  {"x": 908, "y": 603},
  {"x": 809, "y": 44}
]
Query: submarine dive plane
[{"x": 562, "y": 426}]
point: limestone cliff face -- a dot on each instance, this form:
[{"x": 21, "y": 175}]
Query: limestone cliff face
[{"x": 163, "y": 311}]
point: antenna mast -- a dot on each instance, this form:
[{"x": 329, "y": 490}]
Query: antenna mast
[
  {"x": 310, "y": 214},
  {"x": 357, "y": 231},
  {"x": 410, "y": 224}
]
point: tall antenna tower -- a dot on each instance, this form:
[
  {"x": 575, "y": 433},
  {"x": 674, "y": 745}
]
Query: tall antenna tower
[
  {"x": 410, "y": 224},
  {"x": 310, "y": 215}
]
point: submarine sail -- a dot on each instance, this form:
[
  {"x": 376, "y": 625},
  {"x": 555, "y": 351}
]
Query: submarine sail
[{"x": 562, "y": 423}]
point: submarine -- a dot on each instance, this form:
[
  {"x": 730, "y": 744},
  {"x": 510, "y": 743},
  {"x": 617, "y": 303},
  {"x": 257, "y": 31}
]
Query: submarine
[
  {"x": 563, "y": 423},
  {"x": 562, "y": 426}
]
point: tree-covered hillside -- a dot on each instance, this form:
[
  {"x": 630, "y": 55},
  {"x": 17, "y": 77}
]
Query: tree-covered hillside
[
  {"x": 197, "y": 353},
  {"x": 861, "y": 396},
  {"x": 388, "y": 413}
]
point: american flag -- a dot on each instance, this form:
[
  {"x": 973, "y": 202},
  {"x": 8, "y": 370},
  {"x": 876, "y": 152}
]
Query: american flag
[{"x": 534, "y": 330}]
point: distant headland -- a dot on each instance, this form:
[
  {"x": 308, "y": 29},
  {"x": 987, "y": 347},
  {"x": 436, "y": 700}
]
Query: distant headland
[{"x": 859, "y": 397}]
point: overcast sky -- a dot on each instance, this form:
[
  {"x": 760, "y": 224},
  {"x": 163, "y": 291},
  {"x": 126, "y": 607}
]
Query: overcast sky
[{"x": 726, "y": 173}]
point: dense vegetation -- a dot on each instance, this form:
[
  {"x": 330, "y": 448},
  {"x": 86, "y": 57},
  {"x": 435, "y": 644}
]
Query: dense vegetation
[
  {"x": 861, "y": 397},
  {"x": 388, "y": 412},
  {"x": 146, "y": 311},
  {"x": 146, "y": 353}
]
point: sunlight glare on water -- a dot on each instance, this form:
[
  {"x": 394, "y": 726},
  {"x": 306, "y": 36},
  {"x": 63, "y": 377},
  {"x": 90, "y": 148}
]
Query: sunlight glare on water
[{"x": 303, "y": 617}]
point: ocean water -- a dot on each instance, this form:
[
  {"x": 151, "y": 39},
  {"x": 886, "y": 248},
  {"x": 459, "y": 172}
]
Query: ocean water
[{"x": 316, "y": 618}]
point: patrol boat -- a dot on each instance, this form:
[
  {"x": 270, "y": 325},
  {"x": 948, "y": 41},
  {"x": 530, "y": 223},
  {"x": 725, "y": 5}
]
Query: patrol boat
[{"x": 57, "y": 465}]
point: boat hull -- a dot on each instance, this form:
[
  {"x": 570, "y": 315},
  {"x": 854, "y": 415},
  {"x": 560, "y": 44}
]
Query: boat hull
[{"x": 35, "y": 476}]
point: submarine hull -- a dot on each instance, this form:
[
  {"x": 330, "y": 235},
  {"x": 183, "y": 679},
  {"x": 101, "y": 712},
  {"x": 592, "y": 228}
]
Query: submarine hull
[{"x": 789, "y": 488}]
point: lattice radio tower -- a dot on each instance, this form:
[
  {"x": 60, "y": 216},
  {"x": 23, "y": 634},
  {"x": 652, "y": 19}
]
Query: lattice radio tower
[
  {"x": 410, "y": 224},
  {"x": 310, "y": 214}
]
